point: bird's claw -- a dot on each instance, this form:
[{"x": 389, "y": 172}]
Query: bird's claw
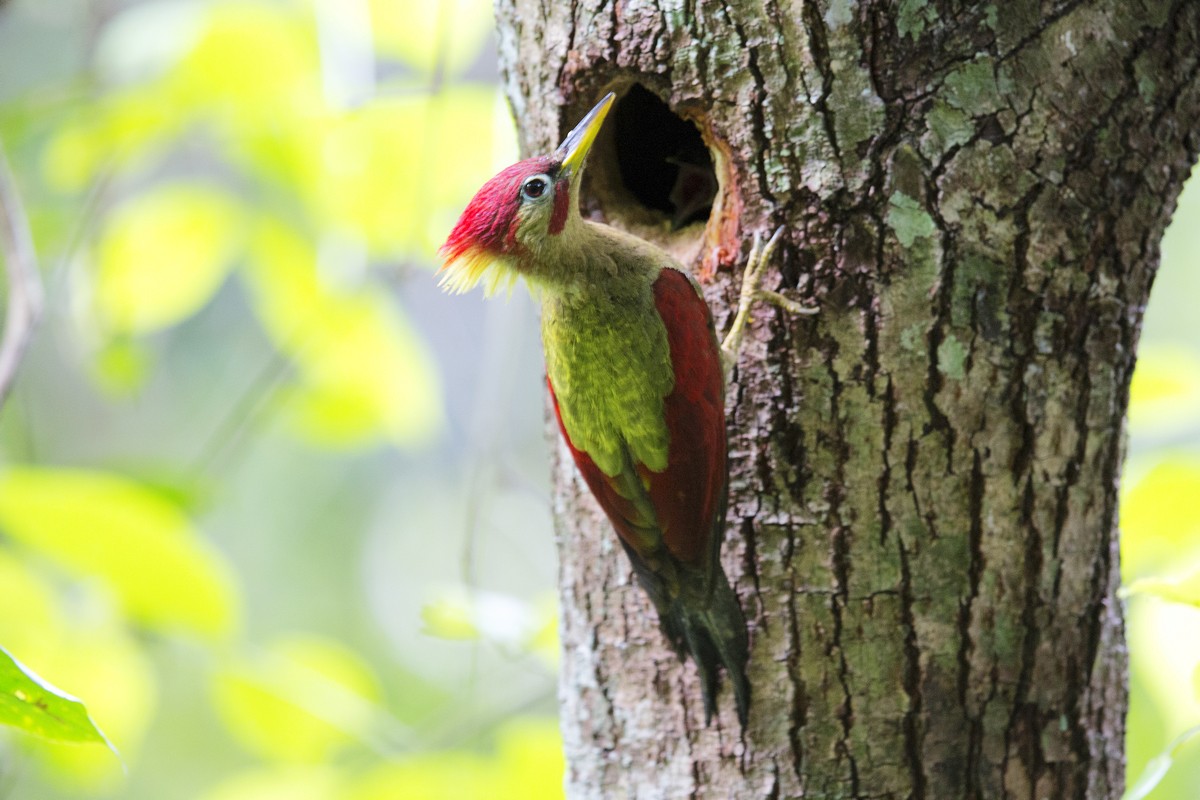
[
  {"x": 787, "y": 304},
  {"x": 756, "y": 266}
]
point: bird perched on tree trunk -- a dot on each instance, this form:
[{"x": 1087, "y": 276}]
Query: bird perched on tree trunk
[{"x": 635, "y": 373}]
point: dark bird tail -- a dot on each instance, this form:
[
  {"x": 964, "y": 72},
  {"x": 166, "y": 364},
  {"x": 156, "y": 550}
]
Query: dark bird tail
[
  {"x": 701, "y": 617},
  {"x": 714, "y": 634}
]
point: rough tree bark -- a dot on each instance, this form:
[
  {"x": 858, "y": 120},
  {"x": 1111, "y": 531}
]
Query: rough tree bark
[{"x": 923, "y": 507}]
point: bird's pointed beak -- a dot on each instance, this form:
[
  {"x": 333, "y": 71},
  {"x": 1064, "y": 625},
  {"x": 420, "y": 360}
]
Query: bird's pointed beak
[{"x": 575, "y": 147}]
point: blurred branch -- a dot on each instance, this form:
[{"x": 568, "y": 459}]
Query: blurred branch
[
  {"x": 331, "y": 702},
  {"x": 24, "y": 282},
  {"x": 247, "y": 415},
  {"x": 456, "y": 731},
  {"x": 1156, "y": 769},
  {"x": 493, "y": 404}
]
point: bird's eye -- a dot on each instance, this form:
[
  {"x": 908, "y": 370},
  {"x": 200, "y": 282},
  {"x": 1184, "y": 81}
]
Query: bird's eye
[{"x": 534, "y": 187}]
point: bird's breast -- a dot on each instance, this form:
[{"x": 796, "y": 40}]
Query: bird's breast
[{"x": 610, "y": 365}]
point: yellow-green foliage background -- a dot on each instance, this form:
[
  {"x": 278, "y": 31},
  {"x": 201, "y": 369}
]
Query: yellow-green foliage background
[{"x": 272, "y": 506}]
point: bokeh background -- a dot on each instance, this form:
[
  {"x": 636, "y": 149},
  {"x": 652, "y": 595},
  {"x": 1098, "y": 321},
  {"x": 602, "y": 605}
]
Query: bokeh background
[{"x": 274, "y": 507}]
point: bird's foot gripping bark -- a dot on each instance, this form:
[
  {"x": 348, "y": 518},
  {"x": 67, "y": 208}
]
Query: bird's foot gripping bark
[{"x": 756, "y": 267}]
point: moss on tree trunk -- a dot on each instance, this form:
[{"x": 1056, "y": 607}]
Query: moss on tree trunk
[{"x": 923, "y": 509}]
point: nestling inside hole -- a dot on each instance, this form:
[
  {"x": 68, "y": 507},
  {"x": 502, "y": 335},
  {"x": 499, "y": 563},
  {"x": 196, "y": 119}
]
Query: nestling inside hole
[
  {"x": 663, "y": 161},
  {"x": 652, "y": 173}
]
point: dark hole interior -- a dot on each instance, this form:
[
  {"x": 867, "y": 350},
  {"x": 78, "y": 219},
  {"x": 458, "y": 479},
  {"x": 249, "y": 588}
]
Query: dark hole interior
[{"x": 662, "y": 160}]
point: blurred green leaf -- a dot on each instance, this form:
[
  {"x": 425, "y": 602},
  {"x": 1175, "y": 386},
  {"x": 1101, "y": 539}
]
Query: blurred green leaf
[
  {"x": 1165, "y": 391},
  {"x": 89, "y": 655},
  {"x": 1159, "y": 524},
  {"x": 531, "y": 753},
  {"x": 99, "y": 660},
  {"x": 120, "y": 366},
  {"x": 445, "y": 33},
  {"x": 31, "y": 704},
  {"x": 162, "y": 255},
  {"x": 527, "y": 765},
  {"x": 449, "y": 618},
  {"x": 289, "y": 782},
  {"x": 145, "y": 550},
  {"x": 301, "y": 699},
  {"x": 421, "y": 699},
  {"x": 248, "y": 71},
  {"x": 122, "y": 131},
  {"x": 433, "y": 776},
  {"x": 240, "y": 91},
  {"x": 363, "y": 372},
  {"x": 396, "y": 172},
  {"x": 1184, "y": 589},
  {"x": 29, "y": 612},
  {"x": 253, "y": 65},
  {"x": 1152, "y": 775},
  {"x": 1163, "y": 662},
  {"x": 72, "y": 157},
  {"x": 458, "y": 614}
]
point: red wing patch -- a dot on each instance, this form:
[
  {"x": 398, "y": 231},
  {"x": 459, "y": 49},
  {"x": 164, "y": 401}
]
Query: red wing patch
[
  {"x": 628, "y": 519},
  {"x": 689, "y": 493}
]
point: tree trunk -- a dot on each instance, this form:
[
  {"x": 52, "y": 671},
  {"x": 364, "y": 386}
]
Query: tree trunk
[{"x": 923, "y": 505}]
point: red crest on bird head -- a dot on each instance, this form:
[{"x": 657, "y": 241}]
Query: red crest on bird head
[
  {"x": 526, "y": 202},
  {"x": 486, "y": 231}
]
